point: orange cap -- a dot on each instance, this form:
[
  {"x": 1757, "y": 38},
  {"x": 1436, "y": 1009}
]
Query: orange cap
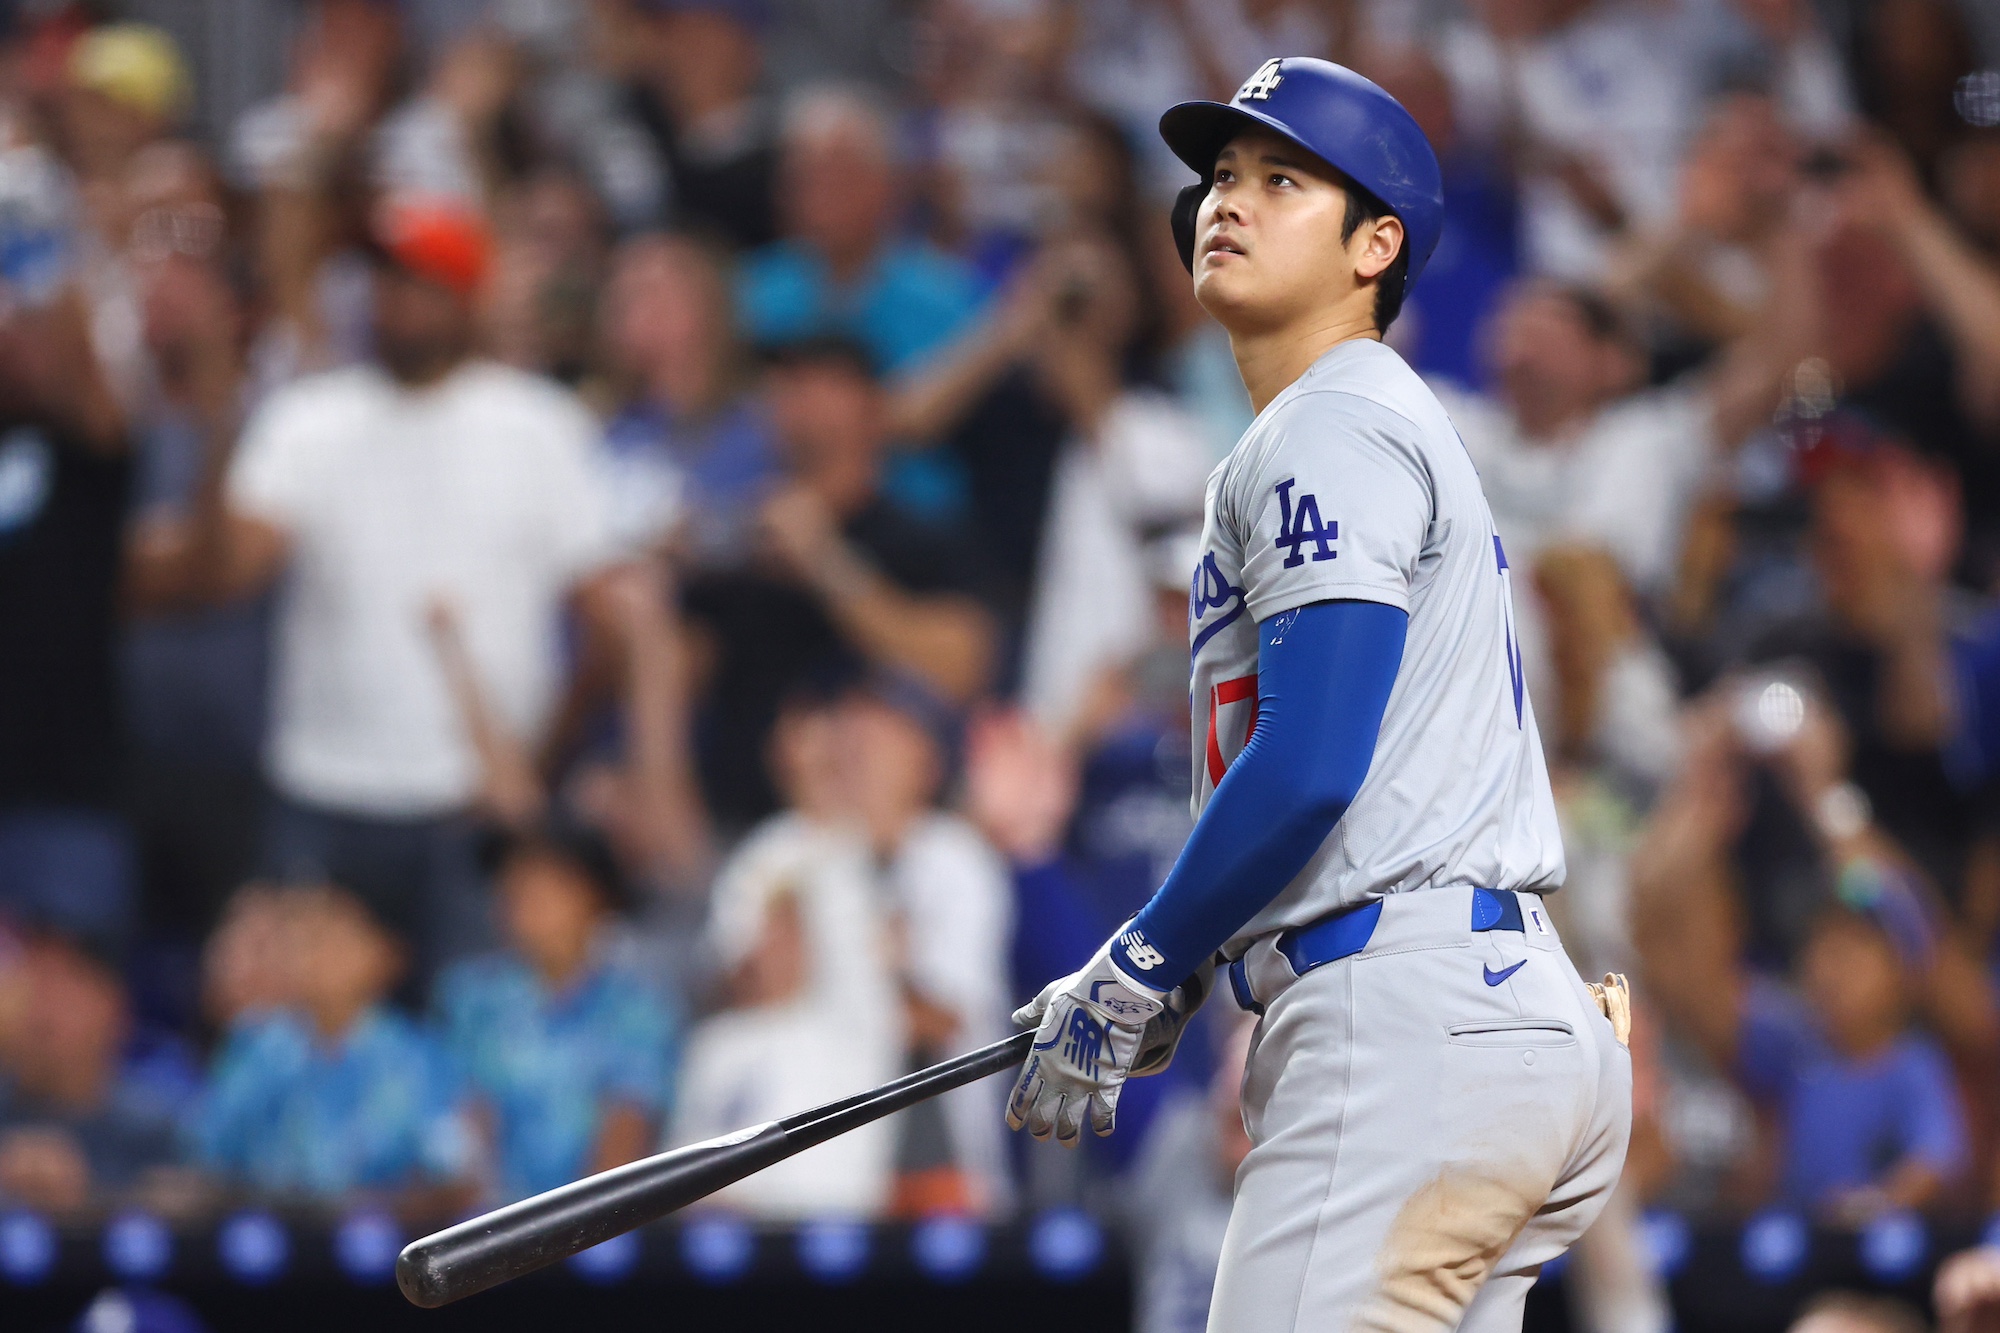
[{"x": 441, "y": 240}]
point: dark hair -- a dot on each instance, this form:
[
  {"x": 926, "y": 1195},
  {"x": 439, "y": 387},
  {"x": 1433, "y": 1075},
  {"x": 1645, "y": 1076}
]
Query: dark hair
[
  {"x": 1392, "y": 285},
  {"x": 561, "y": 837}
]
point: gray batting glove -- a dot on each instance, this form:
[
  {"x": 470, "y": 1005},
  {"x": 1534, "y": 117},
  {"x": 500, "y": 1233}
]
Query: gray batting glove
[{"x": 1089, "y": 1029}]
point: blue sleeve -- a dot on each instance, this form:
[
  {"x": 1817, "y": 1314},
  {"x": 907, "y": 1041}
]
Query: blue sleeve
[{"x": 1324, "y": 672}]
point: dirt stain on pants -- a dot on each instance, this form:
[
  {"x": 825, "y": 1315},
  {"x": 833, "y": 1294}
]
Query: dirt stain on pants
[{"x": 1442, "y": 1246}]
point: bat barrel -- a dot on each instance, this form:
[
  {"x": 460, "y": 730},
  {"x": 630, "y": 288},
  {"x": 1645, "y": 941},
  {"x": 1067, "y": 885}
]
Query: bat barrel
[{"x": 521, "y": 1237}]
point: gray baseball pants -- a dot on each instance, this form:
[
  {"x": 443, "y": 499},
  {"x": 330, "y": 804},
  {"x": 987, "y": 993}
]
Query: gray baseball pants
[{"x": 1430, "y": 1124}]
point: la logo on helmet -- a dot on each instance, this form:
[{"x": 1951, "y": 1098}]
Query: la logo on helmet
[{"x": 1262, "y": 84}]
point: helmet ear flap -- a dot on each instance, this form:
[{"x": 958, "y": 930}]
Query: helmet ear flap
[{"x": 1187, "y": 205}]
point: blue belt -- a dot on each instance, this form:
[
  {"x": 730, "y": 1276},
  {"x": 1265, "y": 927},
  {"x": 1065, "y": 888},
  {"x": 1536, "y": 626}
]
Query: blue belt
[{"x": 1347, "y": 932}]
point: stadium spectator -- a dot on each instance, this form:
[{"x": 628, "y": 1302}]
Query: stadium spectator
[
  {"x": 811, "y": 1004},
  {"x": 1131, "y": 462},
  {"x": 695, "y": 91},
  {"x": 335, "y": 1094},
  {"x": 302, "y": 154},
  {"x": 1920, "y": 346},
  {"x": 843, "y": 579},
  {"x": 66, "y": 859},
  {"x": 1883, "y": 537},
  {"x": 551, "y": 240},
  {"x": 1439, "y": 327},
  {"x": 192, "y": 676},
  {"x": 89, "y": 1107},
  {"x": 446, "y": 141},
  {"x": 845, "y": 266},
  {"x": 691, "y": 453},
  {"x": 948, "y": 915},
  {"x": 380, "y": 489},
  {"x": 128, "y": 85},
  {"x": 1573, "y": 452},
  {"x": 567, "y": 1049},
  {"x": 246, "y": 963},
  {"x": 1075, "y": 328},
  {"x": 1865, "y": 1106}
]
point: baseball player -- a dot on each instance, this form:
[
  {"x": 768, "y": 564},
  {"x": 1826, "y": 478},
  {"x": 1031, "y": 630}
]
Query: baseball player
[{"x": 1437, "y": 1103}]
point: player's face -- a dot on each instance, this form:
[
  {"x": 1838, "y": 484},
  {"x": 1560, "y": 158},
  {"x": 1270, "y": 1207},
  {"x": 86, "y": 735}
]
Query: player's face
[{"x": 1268, "y": 251}]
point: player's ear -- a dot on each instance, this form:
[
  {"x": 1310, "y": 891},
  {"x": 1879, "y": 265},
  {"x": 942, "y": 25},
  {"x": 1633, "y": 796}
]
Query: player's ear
[{"x": 1381, "y": 241}]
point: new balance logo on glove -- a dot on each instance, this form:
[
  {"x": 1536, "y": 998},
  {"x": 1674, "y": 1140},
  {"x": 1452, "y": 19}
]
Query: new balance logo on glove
[{"x": 1138, "y": 952}]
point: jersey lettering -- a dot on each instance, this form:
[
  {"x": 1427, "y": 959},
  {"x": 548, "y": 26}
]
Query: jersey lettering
[
  {"x": 1211, "y": 592},
  {"x": 1261, "y": 84},
  {"x": 1296, "y": 528},
  {"x": 1513, "y": 645}
]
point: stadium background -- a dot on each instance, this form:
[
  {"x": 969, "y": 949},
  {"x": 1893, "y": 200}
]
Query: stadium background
[{"x": 576, "y": 574}]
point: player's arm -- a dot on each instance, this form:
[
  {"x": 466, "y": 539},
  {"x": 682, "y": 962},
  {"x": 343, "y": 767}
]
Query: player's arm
[{"x": 1325, "y": 671}]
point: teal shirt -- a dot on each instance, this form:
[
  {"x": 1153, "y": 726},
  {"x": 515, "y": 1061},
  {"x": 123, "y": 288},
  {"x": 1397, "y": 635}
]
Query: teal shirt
[
  {"x": 549, "y": 1064},
  {"x": 912, "y": 300},
  {"x": 287, "y": 1114}
]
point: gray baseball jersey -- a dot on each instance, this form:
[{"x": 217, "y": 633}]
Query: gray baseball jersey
[{"x": 1353, "y": 485}]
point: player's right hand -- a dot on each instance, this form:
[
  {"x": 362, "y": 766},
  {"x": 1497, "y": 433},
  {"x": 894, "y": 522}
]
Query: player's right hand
[{"x": 1089, "y": 1028}]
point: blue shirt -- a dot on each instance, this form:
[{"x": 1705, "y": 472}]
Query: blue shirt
[
  {"x": 912, "y": 300},
  {"x": 549, "y": 1064},
  {"x": 722, "y": 465},
  {"x": 286, "y": 1113},
  {"x": 1848, "y": 1122}
]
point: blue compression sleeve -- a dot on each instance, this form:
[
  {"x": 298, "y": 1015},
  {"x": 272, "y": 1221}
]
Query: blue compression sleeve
[{"x": 1324, "y": 673}]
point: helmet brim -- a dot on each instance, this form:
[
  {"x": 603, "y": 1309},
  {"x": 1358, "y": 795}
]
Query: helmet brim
[{"x": 1197, "y": 132}]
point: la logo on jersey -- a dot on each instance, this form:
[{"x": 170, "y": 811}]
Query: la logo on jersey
[
  {"x": 1261, "y": 84},
  {"x": 1297, "y": 527}
]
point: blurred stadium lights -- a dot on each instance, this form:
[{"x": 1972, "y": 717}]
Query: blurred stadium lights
[
  {"x": 608, "y": 1261},
  {"x": 1668, "y": 1241},
  {"x": 27, "y": 1248},
  {"x": 1065, "y": 1244},
  {"x": 1894, "y": 1246},
  {"x": 138, "y": 1247},
  {"x": 253, "y": 1247},
  {"x": 948, "y": 1249},
  {"x": 718, "y": 1248},
  {"x": 1774, "y": 1246},
  {"x": 365, "y": 1246},
  {"x": 834, "y": 1249}
]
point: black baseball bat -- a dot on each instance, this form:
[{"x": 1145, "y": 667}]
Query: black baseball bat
[{"x": 507, "y": 1242}]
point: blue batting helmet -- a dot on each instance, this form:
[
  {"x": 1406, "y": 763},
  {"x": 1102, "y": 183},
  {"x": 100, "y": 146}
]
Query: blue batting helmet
[{"x": 1338, "y": 116}]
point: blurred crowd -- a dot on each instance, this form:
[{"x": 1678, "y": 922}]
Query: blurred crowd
[{"x": 580, "y": 574}]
